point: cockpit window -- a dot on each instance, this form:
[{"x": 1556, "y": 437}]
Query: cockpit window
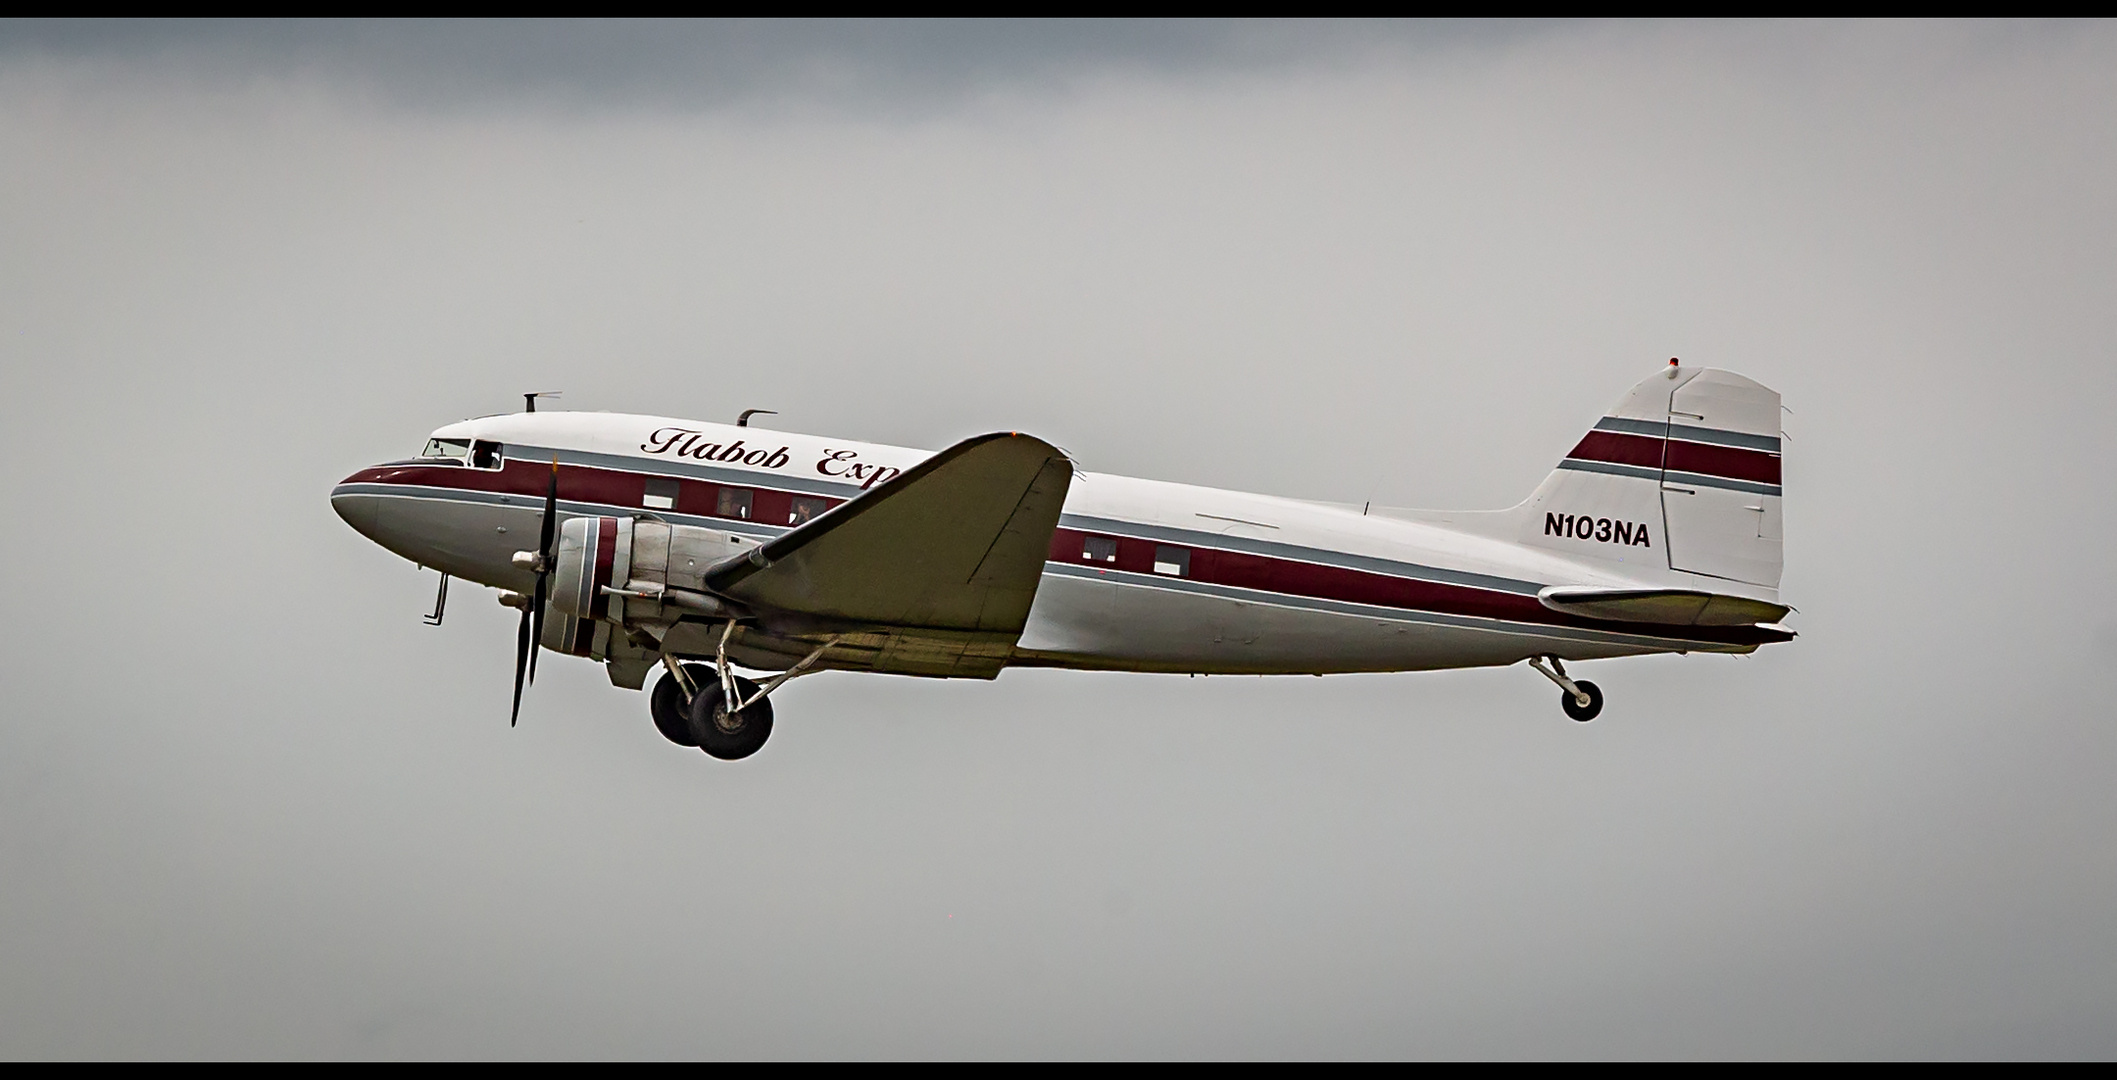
[
  {"x": 448, "y": 448},
  {"x": 484, "y": 455}
]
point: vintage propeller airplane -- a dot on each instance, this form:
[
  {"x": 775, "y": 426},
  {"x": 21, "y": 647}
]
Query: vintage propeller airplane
[{"x": 700, "y": 548}]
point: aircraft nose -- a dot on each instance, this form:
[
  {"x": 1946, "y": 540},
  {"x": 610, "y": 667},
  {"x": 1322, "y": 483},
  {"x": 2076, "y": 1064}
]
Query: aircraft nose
[{"x": 357, "y": 503}]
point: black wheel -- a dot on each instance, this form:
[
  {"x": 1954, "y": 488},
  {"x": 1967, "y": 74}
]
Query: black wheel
[
  {"x": 724, "y": 735},
  {"x": 1578, "y": 711},
  {"x": 667, "y": 703}
]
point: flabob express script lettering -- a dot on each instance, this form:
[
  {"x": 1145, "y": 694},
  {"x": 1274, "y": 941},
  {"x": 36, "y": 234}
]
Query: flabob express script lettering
[{"x": 691, "y": 443}]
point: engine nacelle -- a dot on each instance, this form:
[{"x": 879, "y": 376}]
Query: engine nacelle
[
  {"x": 576, "y": 637},
  {"x": 653, "y": 570},
  {"x": 593, "y": 552}
]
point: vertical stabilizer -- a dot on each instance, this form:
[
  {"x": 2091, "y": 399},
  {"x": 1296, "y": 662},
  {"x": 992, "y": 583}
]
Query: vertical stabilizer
[{"x": 1682, "y": 475}]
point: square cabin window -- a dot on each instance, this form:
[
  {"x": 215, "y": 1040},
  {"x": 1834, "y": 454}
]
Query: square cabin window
[
  {"x": 661, "y": 493},
  {"x": 1099, "y": 549},
  {"x": 806, "y": 507},
  {"x": 1173, "y": 561},
  {"x": 734, "y": 503}
]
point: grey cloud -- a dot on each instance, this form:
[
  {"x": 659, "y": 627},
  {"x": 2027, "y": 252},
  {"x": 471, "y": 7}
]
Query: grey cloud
[{"x": 890, "y": 65}]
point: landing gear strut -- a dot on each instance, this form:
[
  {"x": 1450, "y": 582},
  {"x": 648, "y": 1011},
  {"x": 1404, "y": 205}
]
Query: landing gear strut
[{"x": 1582, "y": 700}]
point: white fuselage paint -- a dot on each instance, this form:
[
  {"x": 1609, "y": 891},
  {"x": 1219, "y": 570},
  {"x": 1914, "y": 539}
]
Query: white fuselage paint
[{"x": 1085, "y": 615}]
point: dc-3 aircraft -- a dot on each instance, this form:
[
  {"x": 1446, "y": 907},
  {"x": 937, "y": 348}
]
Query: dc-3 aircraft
[{"x": 642, "y": 542}]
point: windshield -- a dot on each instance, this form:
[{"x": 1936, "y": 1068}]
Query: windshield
[{"x": 448, "y": 448}]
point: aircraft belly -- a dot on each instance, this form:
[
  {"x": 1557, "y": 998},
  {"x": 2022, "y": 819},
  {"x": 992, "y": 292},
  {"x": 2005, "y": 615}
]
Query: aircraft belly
[{"x": 1110, "y": 625}]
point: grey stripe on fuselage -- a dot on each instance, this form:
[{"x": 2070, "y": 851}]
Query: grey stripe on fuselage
[
  {"x": 1297, "y": 553},
  {"x": 652, "y": 466},
  {"x": 1663, "y": 429},
  {"x": 1702, "y": 480},
  {"x": 581, "y": 509},
  {"x": 1083, "y": 522},
  {"x": 1166, "y": 534},
  {"x": 1104, "y": 526},
  {"x": 1636, "y": 472},
  {"x": 1134, "y": 579},
  {"x": 1120, "y": 577}
]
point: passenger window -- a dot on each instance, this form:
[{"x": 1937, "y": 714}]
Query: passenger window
[
  {"x": 1173, "y": 561},
  {"x": 734, "y": 503},
  {"x": 484, "y": 455},
  {"x": 661, "y": 493},
  {"x": 1099, "y": 549},
  {"x": 806, "y": 508}
]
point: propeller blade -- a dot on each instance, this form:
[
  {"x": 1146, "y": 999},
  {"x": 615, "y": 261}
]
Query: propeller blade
[
  {"x": 544, "y": 559},
  {"x": 523, "y": 655},
  {"x": 536, "y": 636},
  {"x": 551, "y": 513}
]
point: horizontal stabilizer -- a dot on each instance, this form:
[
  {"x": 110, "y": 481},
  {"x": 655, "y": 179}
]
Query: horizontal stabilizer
[
  {"x": 957, "y": 543},
  {"x": 1668, "y": 607}
]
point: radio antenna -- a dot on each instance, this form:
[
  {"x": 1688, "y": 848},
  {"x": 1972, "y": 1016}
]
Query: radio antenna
[
  {"x": 529, "y": 401},
  {"x": 744, "y": 419}
]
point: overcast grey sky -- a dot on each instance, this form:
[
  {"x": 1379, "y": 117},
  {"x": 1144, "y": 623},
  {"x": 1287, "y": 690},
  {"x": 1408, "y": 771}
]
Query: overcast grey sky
[{"x": 249, "y": 806}]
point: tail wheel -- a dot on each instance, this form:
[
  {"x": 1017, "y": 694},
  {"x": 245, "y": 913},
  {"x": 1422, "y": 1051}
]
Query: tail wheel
[
  {"x": 729, "y": 736},
  {"x": 1578, "y": 711},
  {"x": 667, "y": 703}
]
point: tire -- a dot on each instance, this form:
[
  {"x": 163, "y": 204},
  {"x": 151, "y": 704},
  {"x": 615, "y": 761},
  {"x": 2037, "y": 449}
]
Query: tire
[
  {"x": 1577, "y": 711},
  {"x": 725, "y": 737},
  {"x": 667, "y": 703}
]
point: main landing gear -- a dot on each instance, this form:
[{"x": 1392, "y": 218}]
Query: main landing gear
[
  {"x": 716, "y": 710},
  {"x": 701, "y": 718},
  {"x": 1582, "y": 700}
]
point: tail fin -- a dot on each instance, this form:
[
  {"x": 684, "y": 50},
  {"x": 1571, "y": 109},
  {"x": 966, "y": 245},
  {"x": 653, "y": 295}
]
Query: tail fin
[{"x": 1682, "y": 477}]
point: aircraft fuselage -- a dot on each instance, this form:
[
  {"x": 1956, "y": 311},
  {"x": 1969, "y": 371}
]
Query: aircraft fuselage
[{"x": 1142, "y": 575}]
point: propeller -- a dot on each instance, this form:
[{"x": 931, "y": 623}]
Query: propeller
[{"x": 532, "y": 627}]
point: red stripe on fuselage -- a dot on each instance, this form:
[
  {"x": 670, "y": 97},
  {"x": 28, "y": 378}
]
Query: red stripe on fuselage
[
  {"x": 583, "y": 483},
  {"x": 1292, "y": 577},
  {"x": 1755, "y": 466},
  {"x": 1619, "y": 448},
  {"x": 1733, "y": 462}
]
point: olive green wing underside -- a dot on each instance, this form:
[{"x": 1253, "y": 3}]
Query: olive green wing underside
[{"x": 957, "y": 543}]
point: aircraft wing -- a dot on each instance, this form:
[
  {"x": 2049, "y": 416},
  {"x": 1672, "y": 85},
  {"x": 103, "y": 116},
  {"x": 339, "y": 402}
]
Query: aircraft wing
[{"x": 952, "y": 549}]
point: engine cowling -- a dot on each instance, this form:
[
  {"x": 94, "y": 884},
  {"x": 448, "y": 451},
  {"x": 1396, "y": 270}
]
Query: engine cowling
[
  {"x": 593, "y": 552},
  {"x": 576, "y": 637},
  {"x": 655, "y": 571}
]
